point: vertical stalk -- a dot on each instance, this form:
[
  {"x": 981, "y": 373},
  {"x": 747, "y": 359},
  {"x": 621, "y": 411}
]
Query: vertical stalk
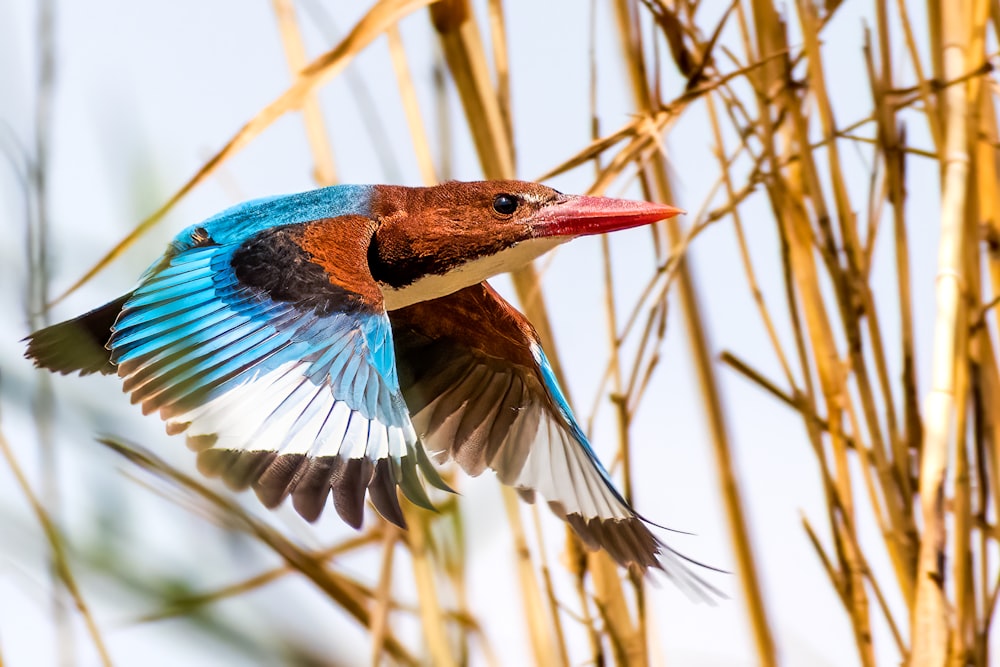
[
  {"x": 697, "y": 336},
  {"x": 414, "y": 120},
  {"x": 325, "y": 169},
  {"x": 930, "y": 627},
  {"x": 431, "y": 613},
  {"x": 540, "y": 626},
  {"x": 42, "y": 402}
]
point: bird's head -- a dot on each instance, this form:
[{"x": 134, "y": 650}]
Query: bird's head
[{"x": 434, "y": 241}]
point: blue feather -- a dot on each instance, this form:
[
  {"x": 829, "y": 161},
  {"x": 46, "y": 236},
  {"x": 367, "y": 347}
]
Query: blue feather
[
  {"x": 238, "y": 223},
  {"x": 220, "y": 357},
  {"x": 381, "y": 353}
]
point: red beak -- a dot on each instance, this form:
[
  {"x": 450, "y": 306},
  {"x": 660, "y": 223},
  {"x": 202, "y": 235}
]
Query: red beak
[{"x": 579, "y": 215}]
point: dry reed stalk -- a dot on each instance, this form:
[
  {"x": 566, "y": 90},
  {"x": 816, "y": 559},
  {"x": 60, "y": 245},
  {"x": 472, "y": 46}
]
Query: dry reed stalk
[
  {"x": 539, "y": 624},
  {"x": 628, "y": 645},
  {"x": 38, "y": 228},
  {"x": 832, "y": 380},
  {"x": 887, "y": 441},
  {"x": 383, "y": 599},
  {"x": 930, "y": 628},
  {"x": 411, "y": 108},
  {"x": 748, "y": 269},
  {"x": 891, "y": 147},
  {"x": 431, "y": 616},
  {"x": 803, "y": 273},
  {"x": 702, "y": 357},
  {"x": 501, "y": 64},
  {"x": 550, "y": 593},
  {"x": 972, "y": 340},
  {"x": 961, "y": 505},
  {"x": 615, "y": 369},
  {"x": 984, "y": 468},
  {"x": 325, "y": 168},
  {"x": 489, "y": 123},
  {"x": 429, "y": 605},
  {"x": 378, "y": 19},
  {"x": 930, "y": 106},
  {"x": 60, "y": 559},
  {"x": 466, "y": 58},
  {"x": 191, "y": 603},
  {"x": 348, "y": 594}
]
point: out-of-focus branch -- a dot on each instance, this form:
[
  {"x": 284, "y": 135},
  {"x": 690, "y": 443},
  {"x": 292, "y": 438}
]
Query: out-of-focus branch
[{"x": 325, "y": 169}]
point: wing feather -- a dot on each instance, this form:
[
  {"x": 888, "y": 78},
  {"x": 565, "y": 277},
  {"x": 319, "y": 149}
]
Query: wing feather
[
  {"x": 289, "y": 399},
  {"x": 481, "y": 391}
]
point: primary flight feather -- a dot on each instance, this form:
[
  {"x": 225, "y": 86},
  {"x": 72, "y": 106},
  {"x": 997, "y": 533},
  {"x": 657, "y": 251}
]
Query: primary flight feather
[{"x": 323, "y": 343}]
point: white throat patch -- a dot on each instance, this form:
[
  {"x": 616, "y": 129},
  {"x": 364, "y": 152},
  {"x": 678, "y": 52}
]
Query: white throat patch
[{"x": 471, "y": 273}]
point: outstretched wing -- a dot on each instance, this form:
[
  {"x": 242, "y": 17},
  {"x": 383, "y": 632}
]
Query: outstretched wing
[
  {"x": 275, "y": 357},
  {"x": 481, "y": 390}
]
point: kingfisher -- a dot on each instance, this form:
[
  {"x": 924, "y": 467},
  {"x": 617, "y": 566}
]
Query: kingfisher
[{"x": 330, "y": 343}]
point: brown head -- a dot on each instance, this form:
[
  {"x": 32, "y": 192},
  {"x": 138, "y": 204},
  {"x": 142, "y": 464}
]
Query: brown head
[{"x": 434, "y": 241}]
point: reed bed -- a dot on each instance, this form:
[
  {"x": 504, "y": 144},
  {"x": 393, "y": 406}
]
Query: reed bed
[{"x": 904, "y": 437}]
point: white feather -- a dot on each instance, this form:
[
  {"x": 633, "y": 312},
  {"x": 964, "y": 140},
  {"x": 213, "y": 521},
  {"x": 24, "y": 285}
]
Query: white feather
[
  {"x": 471, "y": 273},
  {"x": 560, "y": 470},
  {"x": 332, "y": 435}
]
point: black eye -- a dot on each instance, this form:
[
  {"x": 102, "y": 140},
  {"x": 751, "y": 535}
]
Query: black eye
[{"x": 505, "y": 204}]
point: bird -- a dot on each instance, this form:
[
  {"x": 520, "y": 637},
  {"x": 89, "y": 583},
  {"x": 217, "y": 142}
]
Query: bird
[{"x": 331, "y": 343}]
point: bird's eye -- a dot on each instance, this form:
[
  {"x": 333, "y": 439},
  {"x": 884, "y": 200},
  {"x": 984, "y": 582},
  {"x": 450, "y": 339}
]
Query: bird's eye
[{"x": 505, "y": 204}]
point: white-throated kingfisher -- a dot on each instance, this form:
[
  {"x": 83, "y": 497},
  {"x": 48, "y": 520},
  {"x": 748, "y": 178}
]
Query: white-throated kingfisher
[{"x": 325, "y": 341}]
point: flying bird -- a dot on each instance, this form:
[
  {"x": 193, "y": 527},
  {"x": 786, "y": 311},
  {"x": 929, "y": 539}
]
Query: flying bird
[{"x": 331, "y": 342}]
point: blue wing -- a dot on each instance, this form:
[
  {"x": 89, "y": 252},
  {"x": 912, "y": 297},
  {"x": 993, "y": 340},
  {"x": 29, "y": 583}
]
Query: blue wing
[{"x": 291, "y": 399}]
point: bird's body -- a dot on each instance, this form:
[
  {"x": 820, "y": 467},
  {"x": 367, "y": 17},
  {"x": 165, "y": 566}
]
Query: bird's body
[{"x": 319, "y": 342}]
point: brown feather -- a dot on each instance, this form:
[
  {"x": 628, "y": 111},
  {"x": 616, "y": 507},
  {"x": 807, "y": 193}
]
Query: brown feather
[
  {"x": 77, "y": 345},
  {"x": 382, "y": 491},
  {"x": 310, "y": 494},
  {"x": 279, "y": 479},
  {"x": 349, "y": 480}
]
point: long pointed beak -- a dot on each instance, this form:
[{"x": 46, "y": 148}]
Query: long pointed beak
[{"x": 579, "y": 215}]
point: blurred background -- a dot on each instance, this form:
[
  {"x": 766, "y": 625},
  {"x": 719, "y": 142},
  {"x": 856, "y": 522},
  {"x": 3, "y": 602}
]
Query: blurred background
[{"x": 758, "y": 375}]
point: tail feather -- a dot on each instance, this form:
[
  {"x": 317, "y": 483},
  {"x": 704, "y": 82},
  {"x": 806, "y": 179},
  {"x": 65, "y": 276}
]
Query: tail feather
[{"x": 77, "y": 345}]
